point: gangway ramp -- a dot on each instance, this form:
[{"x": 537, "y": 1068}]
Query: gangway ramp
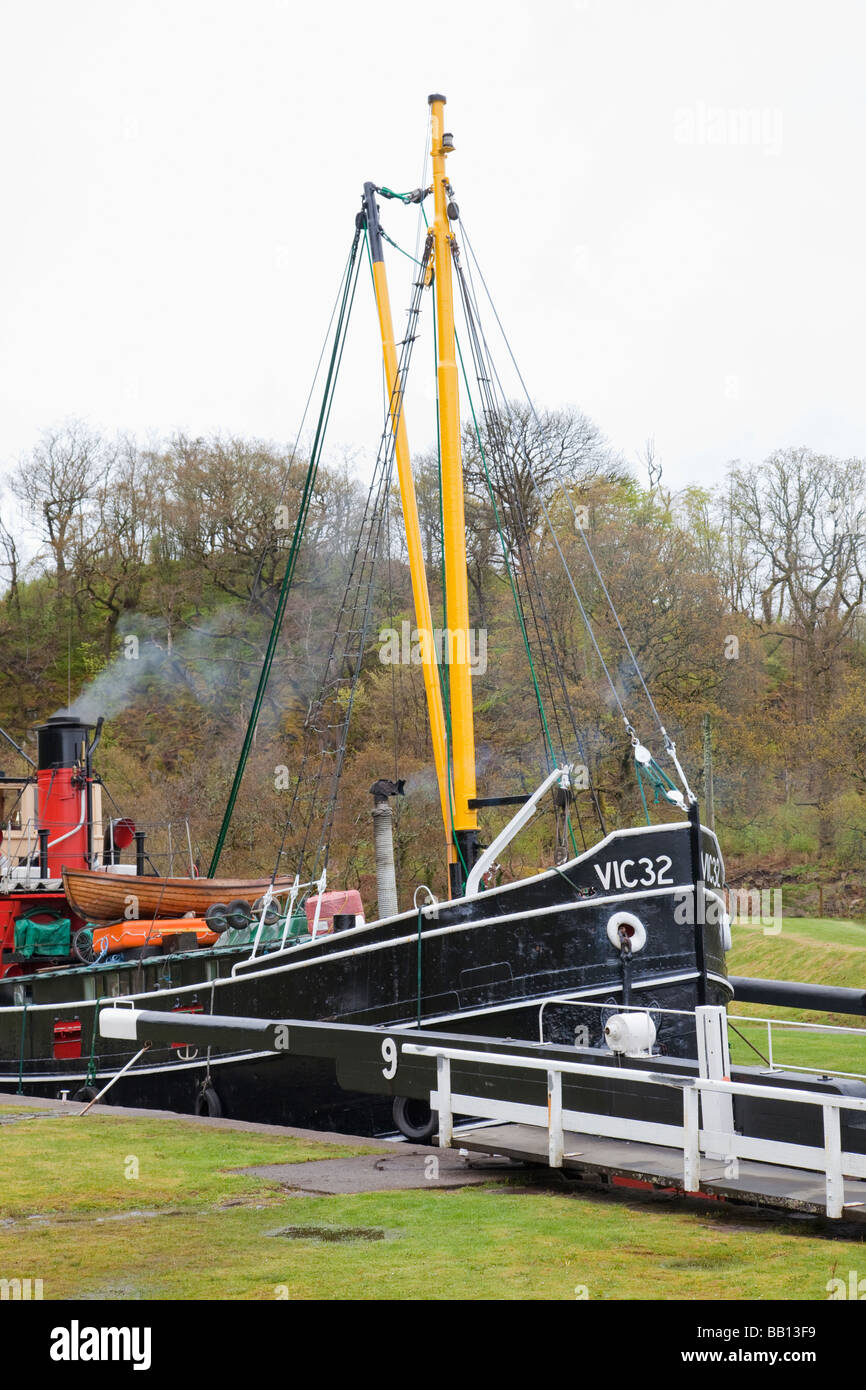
[
  {"x": 652, "y": 1119},
  {"x": 626, "y": 1162},
  {"x": 687, "y": 1158}
]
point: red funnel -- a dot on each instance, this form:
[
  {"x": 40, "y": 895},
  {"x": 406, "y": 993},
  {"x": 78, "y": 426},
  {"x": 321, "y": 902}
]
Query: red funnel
[{"x": 123, "y": 833}]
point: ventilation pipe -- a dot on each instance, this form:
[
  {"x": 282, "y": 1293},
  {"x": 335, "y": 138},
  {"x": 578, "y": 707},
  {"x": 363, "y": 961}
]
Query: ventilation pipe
[{"x": 383, "y": 842}]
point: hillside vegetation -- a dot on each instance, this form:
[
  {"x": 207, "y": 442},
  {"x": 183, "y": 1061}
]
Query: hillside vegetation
[{"x": 151, "y": 599}]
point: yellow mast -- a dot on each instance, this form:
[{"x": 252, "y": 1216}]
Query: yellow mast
[
  {"x": 465, "y": 819},
  {"x": 423, "y": 616},
  {"x": 457, "y": 780}
]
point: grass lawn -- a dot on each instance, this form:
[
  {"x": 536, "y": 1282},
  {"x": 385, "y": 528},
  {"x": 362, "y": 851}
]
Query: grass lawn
[
  {"x": 109, "y": 1207},
  {"x": 186, "y": 1228},
  {"x": 834, "y": 930},
  {"x": 819, "y": 950}
]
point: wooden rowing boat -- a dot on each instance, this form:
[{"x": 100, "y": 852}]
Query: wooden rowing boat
[{"x": 104, "y": 897}]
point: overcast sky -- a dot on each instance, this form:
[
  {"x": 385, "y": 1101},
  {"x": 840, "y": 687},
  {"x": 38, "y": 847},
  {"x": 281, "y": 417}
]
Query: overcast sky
[{"x": 666, "y": 197}]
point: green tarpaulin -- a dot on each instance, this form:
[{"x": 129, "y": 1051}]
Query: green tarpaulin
[{"x": 42, "y": 938}]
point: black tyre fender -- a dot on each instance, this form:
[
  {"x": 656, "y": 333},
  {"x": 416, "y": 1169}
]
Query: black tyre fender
[
  {"x": 239, "y": 914},
  {"x": 84, "y": 1094},
  {"x": 415, "y": 1120},
  {"x": 207, "y": 1102},
  {"x": 215, "y": 916},
  {"x": 272, "y": 912}
]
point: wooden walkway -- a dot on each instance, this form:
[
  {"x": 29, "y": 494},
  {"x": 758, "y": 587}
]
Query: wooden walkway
[{"x": 760, "y": 1184}]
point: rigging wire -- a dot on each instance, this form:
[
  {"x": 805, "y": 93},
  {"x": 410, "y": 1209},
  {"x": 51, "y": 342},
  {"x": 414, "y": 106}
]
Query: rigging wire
[
  {"x": 347, "y": 299},
  {"x": 670, "y": 747},
  {"x": 376, "y": 517},
  {"x": 288, "y": 472},
  {"x": 351, "y": 629},
  {"x": 442, "y": 666},
  {"x": 389, "y": 544},
  {"x": 550, "y": 755},
  {"x": 584, "y": 615},
  {"x": 532, "y": 585},
  {"x": 533, "y": 588},
  {"x": 421, "y": 225}
]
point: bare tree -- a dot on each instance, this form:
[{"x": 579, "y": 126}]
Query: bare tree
[
  {"x": 111, "y": 544},
  {"x": 11, "y": 563},
  {"x": 802, "y": 523},
  {"x": 650, "y": 460},
  {"x": 58, "y": 481},
  {"x": 529, "y": 456},
  {"x": 223, "y": 499}
]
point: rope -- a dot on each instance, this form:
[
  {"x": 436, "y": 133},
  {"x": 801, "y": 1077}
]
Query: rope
[{"x": 409, "y": 257}]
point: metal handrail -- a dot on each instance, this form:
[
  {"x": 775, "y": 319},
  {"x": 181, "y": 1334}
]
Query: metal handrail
[
  {"x": 270, "y": 896},
  {"x": 605, "y": 1004},
  {"x": 745, "y": 1019},
  {"x": 27, "y": 835}
]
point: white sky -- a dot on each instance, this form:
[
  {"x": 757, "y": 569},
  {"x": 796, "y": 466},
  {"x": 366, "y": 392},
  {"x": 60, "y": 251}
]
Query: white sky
[{"x": 181, "y": 180}]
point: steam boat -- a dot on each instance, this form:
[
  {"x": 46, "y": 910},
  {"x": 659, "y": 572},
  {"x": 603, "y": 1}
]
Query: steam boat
[{"x": 635, "y": 918}]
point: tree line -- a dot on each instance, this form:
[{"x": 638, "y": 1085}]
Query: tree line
[{"x": 742, "y": 602}]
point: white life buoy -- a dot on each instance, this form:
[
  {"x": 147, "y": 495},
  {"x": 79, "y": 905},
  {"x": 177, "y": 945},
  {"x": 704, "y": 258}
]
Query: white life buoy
[{"x": 634, "y": 927}]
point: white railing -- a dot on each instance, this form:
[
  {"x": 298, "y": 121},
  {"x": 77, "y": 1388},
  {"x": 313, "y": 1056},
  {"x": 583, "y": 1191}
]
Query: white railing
[
  {"x": 612, "y": 1006},
  {"x": 22, "y": 842},
  {"x": 26, "y": 845},
  {"x": 746, "y": 1020},
  {"x": 735, "y": 1022},
  {"x": 270, "y": 896},
  {"x": 695, "y": 1142}
]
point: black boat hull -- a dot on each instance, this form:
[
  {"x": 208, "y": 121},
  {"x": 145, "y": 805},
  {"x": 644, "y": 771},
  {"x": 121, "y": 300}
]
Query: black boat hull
[{"x": 504, "y": 962}]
